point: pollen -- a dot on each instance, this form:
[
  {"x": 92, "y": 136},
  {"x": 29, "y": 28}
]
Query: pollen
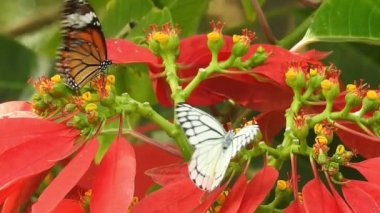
[
  {"x": 108, "y": 88},
  {"x": 372, "y": 94},
  {"x": 318, "y": 128},
  {"x": 214, "y": 36},
  {"x": 237, "y": 130},
  {"x": 290, "y": 74},
  {"x": 282, "y": 185},
  {"x": 56, "y": 78},
  {"x": 350, "y": 87},
  {"x": 326, "y": 84},
  {"x": 87, "y": 96},
  {"x": 161, "y": 37},
  {"x": 111, "y": 79},
  {"x": 321, "y": 140},
  {"x": 340, "y": 149},
  {"x": 236, "y": 38},
  {"x": 313, "y": 72},
  {"x": 90, "y": 107}
]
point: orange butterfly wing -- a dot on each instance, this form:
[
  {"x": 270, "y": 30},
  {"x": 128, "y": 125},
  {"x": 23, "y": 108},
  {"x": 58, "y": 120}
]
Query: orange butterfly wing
[{"x": 83, "y": 55}]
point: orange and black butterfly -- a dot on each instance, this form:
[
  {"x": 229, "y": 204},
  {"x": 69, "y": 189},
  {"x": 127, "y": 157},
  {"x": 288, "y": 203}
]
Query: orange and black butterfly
[{"x": 83, "y": 54}]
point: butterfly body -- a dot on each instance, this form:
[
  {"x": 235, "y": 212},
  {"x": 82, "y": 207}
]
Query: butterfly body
[
  {"x": 83, "y": 55},
  {"x": 214, "y": 147}
]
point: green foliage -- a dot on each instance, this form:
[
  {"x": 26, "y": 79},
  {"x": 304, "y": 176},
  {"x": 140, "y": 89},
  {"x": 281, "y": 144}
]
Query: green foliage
[
  {"x": 332, "y": 21},
  {"x": 17, "y": 63},
  {"x": 342, "y": 20}
]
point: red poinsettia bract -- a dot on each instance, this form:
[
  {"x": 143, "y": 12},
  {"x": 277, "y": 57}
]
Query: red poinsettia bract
[
  {"x": 31, "y": 147},
  {"x": 255, "y": 92},
  {"x": 179, "y": 194}
]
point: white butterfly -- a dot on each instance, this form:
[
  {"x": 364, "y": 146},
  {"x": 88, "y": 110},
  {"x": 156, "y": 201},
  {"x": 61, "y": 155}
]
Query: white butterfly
[{"x": 214, "y": 147}]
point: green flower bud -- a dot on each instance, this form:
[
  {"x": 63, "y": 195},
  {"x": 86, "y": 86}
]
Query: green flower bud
[
  {"x": 295, "y": 78},
  {"x": 330, "y": 89}
]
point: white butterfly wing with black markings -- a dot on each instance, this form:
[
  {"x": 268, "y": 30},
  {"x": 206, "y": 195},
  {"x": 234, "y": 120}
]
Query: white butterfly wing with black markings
[
  {"x": 204, "y": 166},
  {"x": 213, "y": 153},
  {"x": 200, "y": 128},
  {"x": 243, "y": 137}
]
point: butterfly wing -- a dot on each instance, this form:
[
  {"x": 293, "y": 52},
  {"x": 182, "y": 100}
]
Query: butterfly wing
[
  {"x": 243, "y": 137},
  {"x": 208, "y": 165},
  {"x": 83, "y": 54},
  {"x": 208, "y": 162},
  {"x": 200, "y": 128}
]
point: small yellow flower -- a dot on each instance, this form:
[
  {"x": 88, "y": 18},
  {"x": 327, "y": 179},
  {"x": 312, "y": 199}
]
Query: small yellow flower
[
  {"x": 56, "y": 78},
  {"x": 87, "y": 96},
  {"x": 321, "y": 140},
  {"x": 318, "y": 128},
  {"x": 326, "y": 84},
  {"x": 372, "y": 94},
  {"x": 313, "y": 72},
  {"x": 235, "y": 38},
  {"x": 282, "y": 185},
  {"x": 340, "y": 149},
  {"x": 108, "y": 88},
  {"x": 350, "y": 87},
  {"x": 161, "y": 37},
  {"x": 111, "y": 79},
  {"x": 291, "y": 74},
  {"x": 214, "y": 36},
  {"x": 90, "y": 107}
]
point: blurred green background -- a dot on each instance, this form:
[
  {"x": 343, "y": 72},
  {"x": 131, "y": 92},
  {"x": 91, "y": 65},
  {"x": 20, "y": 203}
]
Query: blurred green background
[{"x": 29, "y": 34}]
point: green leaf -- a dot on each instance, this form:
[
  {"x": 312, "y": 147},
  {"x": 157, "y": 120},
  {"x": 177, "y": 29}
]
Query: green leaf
[
  {"x": 187, "y": 14},
  {"x": 346, "y": 20},
  {"x": 356, "y": 60},
  {"x": 17, "y": 63},
  {"x": 134, "y": 79},
  {"x": 121, "y": 12}
]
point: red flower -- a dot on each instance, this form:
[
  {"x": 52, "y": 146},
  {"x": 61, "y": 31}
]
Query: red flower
[
  {"x": 254, "y": 89},
  {"x": 30, "y": 147},
  {"x": 357, "y": 140},
  {"x": 179, "y": 194}
]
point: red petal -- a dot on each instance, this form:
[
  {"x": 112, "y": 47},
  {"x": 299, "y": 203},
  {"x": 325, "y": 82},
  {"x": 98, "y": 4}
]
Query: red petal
[
  {"x": 15, "y": 131},
  {"x": 317, "y": 198},
  {"x": 12, "y": 106},
  {"x": 114, "y": 183},
  {"x": 126, "y": 52},
  {"x": 368, "y": 169},
  {"x": 235, "y": 195},
  {"x": 315, "y": 55},
  {"x": 23, "y": 193},
  {"x": 167, "y": 174},
  {"x": 144, "y": 162},
  {"x": 209, "y": 200},
  {"x": 258, "y": 188},
  {"x": 356, "y": 140},
  {"x": 67, "y": 178},
  {"x": 295, "y": 207},
  {"x": 342, "y": 205},
  {"x": 362, "y": 197},
  {"x": 15, "y": 109},
  {"x": 179, "y": 196},
  {"x": 271, "y": 123},
  {"x": 35, "y": 156},
  {"x": 67, "y": 205}
]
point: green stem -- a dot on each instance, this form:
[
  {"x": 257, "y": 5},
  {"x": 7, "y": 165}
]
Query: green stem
[
  {"x": 172, "y": 78},
  {"x": 322, "y": 116},
  {"x": 173, "y": 130}
]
